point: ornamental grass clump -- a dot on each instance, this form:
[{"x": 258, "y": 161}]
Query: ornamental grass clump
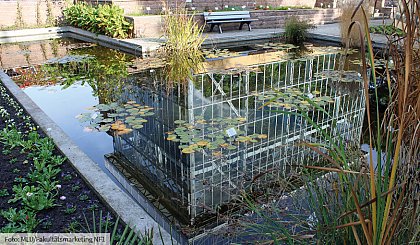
[
  {"x": 296, "y": 31},
  {"x": 182, "y": 50}
]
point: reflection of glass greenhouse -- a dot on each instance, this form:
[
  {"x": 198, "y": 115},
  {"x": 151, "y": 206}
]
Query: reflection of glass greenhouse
[{"x": 201, "y": 181}]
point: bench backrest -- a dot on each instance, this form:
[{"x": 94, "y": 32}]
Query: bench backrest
[{"x": 227, "y": 15}]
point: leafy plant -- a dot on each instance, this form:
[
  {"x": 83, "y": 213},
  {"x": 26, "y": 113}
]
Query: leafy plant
[
  {"x": 102, "y": 19},
  {"x": 387, "y": 30},
  {"x": 67, "y": 177},
  {"x": 46, "y": 224},
  {"x": 70, "y": 209},
  {"x": 296, "y": 31},
  {"x": 83, "y": 197},
  {"x": 4, "y": 192},
  {"x": 19, "y": 221},
  {"x": 75, "y": 188},
  {"x": 33, "y": 197}
]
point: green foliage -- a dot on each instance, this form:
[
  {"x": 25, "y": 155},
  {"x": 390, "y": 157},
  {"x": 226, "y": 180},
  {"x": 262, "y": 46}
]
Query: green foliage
[
  {"x": 38, "y": 191},
  {"x": 182, "y": 50},
  {"x": 103, "y": 224},
  {"x": 70, "y": 209},
  {"x": 387, "y": 30},
  {"x": 296, "y": 31},
  {"x": 19, "y": 221},
  {"x": 4, "y": 192},
  {"x": 102, "y": 19},
  {"x": 33, "y": 197},
  {"x": 83, "y": 197}
]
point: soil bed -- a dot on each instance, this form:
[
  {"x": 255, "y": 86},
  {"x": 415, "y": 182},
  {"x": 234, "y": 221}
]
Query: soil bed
[{"x": 72, "y": 191}]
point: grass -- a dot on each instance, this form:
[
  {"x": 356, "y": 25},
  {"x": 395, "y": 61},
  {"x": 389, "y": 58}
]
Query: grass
[
  {"x": 296, "y": 31},
  {"x": 182, "y": 50}
]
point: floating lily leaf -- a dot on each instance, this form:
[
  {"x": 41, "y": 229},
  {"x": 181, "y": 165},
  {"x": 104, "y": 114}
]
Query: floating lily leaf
[
  {"x": 202, "y": 143},
  {"x": 262, "y": 136},
  {"x": 104, "y": 128},
  {"x": 130, "y": 108},
  {"x": 171, "y": 137},
  {"x": 184, "y": 141},
  {"x": 107, "y": 120},
  {"x": 188, "y": 151}
]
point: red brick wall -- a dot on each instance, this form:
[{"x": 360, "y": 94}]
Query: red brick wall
[
  {"x": 137, "y": 6},
  {"x": 8, "y": 10}
]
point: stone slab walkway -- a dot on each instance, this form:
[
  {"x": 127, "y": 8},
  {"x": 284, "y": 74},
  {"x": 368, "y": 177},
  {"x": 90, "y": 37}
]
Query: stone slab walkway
[{"x": 331, "y": 32}]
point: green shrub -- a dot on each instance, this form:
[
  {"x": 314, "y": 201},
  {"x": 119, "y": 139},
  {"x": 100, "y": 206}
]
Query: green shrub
[
  {"x": 296, "y": 31},
  {"x": 386, "y": 30},
  {"x": 103, "y": 19}
]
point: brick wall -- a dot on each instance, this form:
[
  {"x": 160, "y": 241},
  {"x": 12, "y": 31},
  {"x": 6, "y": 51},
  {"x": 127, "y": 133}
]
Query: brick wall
[
  {"x": 8, "y": 10},
  {"x": 140, "y": 6},
  {"x": 151, "y": 26}
]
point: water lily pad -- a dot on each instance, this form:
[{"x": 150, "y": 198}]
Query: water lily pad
[
  {"x": 202, "y": 143},
  {"x": 108, "y": 120},
  {"x": 262, "y": 136},
  {"x": 188, "y": 151}
]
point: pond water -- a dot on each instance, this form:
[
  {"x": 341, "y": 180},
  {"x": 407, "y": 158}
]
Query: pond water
[
  {"x": 197, "y": 145},
  {"x": 62, "y": 101}
]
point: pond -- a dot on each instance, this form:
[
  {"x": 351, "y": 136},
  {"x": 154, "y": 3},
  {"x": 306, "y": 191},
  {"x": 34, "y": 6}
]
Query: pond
[{"x": 195, "y": 147}]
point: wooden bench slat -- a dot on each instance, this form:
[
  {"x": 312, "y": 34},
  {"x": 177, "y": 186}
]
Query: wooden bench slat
[
  {"x": 230, "y": 21},
  {"x": 226, "y": 13},
  {"x": 228, "y": 17}
]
